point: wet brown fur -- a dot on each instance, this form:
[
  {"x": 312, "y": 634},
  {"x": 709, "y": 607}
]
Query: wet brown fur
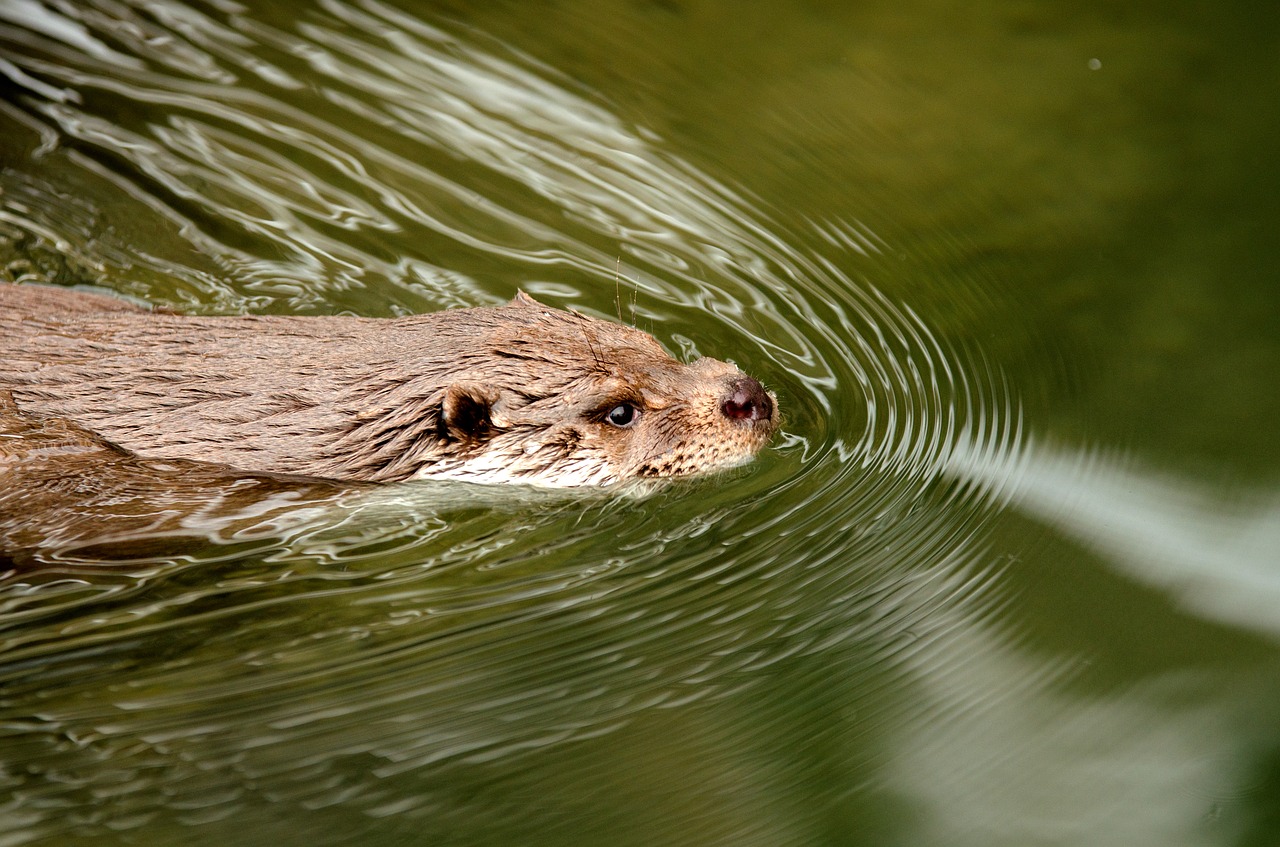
[
  {"x": 67, "y": 493},
  {"x": 519, "y": 392}
]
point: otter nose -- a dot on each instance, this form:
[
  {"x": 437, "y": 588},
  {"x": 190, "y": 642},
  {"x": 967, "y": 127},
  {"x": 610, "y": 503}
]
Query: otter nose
[{"x": 747, "y": 401}]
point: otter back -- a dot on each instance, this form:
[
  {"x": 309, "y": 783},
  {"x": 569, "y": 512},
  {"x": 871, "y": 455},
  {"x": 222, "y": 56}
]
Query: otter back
[{"x": 517, "y": 393}]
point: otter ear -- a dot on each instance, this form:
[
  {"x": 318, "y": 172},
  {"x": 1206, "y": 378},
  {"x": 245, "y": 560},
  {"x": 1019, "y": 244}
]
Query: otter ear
[
  {"x": 464, "y": 413},
  {"x": 522, "y": 299}
]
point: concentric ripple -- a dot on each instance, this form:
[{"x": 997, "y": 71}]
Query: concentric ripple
[{"x": 428, "y": 657}]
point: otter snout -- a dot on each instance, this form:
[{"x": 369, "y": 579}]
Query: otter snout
[{"x": 747, "y": 401}]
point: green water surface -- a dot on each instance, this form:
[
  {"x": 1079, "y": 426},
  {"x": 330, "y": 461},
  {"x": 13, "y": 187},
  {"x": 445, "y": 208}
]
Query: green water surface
[{"x": 1009, "y": 576}]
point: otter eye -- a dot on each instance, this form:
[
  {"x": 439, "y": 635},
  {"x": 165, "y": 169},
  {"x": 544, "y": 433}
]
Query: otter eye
[{"x": 622, "y": 415}]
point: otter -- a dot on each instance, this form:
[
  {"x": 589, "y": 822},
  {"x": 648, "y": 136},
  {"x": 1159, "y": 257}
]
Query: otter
[{"x": 518, "y": 393}]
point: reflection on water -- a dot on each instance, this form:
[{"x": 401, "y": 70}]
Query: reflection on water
[
  {"x": 909, "y": 622},
  {"x": 1219, "y": 557}
]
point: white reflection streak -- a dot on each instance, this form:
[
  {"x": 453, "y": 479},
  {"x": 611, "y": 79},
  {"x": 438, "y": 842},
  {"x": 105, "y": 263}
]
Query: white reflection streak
[
  {"x": 1219, "y": 558},
  {"x": 34, "y": 16}
]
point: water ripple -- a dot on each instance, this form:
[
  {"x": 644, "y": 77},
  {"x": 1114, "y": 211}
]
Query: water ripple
[{"x": 389, "y": 647}]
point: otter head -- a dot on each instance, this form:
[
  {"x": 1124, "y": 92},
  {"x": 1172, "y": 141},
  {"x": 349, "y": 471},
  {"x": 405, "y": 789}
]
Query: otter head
[{"x": 551, "y": 397}]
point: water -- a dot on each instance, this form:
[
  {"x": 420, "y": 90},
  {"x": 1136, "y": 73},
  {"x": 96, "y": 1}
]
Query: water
[{"x": 1009, "y": 576}]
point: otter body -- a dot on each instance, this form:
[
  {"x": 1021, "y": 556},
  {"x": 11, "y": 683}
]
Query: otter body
[
  {"x": 68, "y": 494},
  {"x": 517, "y": 393}
]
